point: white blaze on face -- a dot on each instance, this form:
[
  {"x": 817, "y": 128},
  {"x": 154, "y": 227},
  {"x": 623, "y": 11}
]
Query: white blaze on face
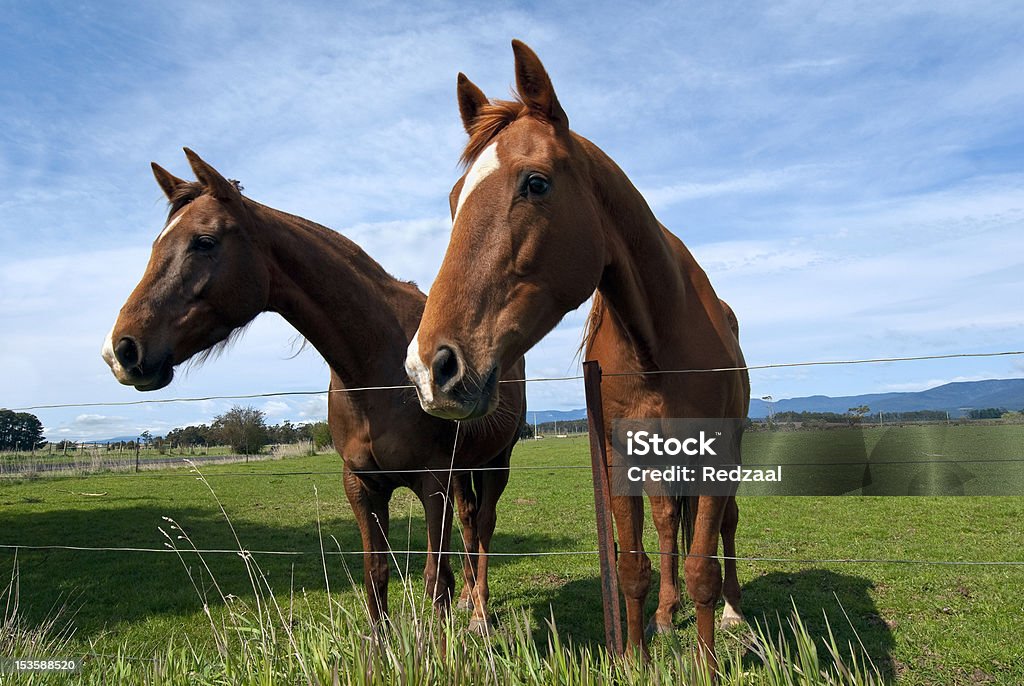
[
  {"x": 171, "y": 224},
  {"x": 418, "y": 372},
  {"x": 484, "y": 165},
  {"x": 108, "y": 352}
]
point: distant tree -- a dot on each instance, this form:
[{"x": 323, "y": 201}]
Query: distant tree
[
  {"x": 285, "y": 432},
  {"x": 526, "y": 430},
  {"x": 857, "y": 413},
  {"x": 823, "y": 417},
  {"x": 20, "y": 431},
  {"x": 987, "y": 413},
  {"x": 189, "y": 436},
  {"x": 321, "y": 435},
  {"x": 304, "y": 432},
  {"x": 243, "y": 428}
]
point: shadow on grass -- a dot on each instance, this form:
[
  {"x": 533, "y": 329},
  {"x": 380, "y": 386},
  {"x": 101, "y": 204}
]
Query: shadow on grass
[
  {"x": 817, "y": 594},
  {"x": 107, "y": 588},
  {"x": 768, "y": 600}
]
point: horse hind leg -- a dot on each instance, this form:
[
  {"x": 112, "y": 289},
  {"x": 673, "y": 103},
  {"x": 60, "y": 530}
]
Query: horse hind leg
[
  {"x": 437, "y": 575},
  {"x": 731, "y": 615},
  {"x": 468, "y": 505},
  {"x": 490, "y": 485}
]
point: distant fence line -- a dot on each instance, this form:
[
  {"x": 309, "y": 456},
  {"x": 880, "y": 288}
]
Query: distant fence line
[{"x": 24, "y": 468}]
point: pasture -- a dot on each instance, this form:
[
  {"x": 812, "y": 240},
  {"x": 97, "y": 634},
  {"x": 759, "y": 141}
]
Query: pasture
[{"x": 920, "y": 624}]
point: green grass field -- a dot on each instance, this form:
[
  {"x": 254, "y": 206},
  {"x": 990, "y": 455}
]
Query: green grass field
[{"x": 920, "y": 624}]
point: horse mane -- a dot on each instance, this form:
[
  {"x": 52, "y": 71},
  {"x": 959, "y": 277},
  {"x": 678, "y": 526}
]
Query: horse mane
[
  {"x": 490, "y": 120},
  {"x": 593, "y": 323}
]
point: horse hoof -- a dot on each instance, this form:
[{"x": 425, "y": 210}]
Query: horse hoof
[
  {"x": 465, "y": 604},
  {"x": 480, "y": 627},
  {"x": 729, "y": 621},
  {"x": 655, "y": 627}
]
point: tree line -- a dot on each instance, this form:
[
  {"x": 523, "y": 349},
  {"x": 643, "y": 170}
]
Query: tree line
[
  {"x": 245, "y": 429},
  {"x": 20, "y": 431}
]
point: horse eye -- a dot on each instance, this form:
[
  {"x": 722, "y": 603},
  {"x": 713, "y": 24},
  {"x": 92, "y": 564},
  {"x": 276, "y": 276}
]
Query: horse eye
[
  {"x": 537, "y": 184},
  {"x": 204, "y": 243}
]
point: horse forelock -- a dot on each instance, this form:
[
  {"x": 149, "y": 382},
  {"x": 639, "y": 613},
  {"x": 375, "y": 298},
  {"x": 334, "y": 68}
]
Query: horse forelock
[
  {"x": 183, "y": 195},
  {"x": 187, "y": 192},
  {"x": 490, "y": 120}
]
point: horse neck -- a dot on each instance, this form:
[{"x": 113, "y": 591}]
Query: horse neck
[
  {"x": 659, "y": 300},
  {"x": 340, "y": 299}
]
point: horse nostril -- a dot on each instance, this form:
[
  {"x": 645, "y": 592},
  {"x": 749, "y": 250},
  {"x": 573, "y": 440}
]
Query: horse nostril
[
  {"x": 446, "y": 366},
  {"x": 127, "y": 352}
]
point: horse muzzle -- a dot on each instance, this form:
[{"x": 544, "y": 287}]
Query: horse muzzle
[
  {"x": 128, "y": 362},
  {"x": 448, "y": 388}
]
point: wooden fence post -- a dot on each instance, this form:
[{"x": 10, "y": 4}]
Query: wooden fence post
[{"x": 602, "y": 507}]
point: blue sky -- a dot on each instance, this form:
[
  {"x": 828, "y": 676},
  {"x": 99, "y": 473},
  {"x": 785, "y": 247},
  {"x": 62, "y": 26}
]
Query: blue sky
[{"x": 850, "y": 175}]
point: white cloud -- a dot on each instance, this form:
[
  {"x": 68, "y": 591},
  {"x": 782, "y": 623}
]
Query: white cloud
[
  {"x": 759, "y": 182},
  {"x": 757, "y": 257},
  {"x": 276, "y": 408}
]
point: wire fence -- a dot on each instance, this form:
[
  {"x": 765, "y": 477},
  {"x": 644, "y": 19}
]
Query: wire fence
[
  {"x": 278, "y": 394},
  {"x": 156, "y": 470},
  {"x": 531, "y": 554},
  {"x": 448, "y": 471}
]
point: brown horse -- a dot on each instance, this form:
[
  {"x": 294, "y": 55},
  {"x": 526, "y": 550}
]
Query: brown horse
[
  {"x": 542, "y": 218},
  {"x": 222, "y": 259}
]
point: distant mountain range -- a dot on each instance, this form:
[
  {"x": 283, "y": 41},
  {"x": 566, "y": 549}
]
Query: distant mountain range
[
  {"x": 956, "y": 398},
  {"x": 116, "y": 439}
]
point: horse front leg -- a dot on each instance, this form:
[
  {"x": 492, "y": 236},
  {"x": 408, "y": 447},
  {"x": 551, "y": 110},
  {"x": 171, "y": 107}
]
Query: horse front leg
[
  {"x": 704, "y": 573},
  {"x": 634, "y": 566},
  {"x": 370, "y": 507}
]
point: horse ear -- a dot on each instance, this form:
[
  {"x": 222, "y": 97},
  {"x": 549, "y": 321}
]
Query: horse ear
[
  {"x": 169, "y": 183},
  {"x": 534, "y": 85},
  {"x": 471, "y": 99},
  {"x": 216, "y": 185}
]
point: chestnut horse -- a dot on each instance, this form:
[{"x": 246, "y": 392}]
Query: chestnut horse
[
  {"x": 541, "y": 219},
  {"x": 222, "y": 259}
]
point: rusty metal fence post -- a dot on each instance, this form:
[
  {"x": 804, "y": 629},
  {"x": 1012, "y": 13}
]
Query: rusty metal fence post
[{"x": 602, "y": 507}]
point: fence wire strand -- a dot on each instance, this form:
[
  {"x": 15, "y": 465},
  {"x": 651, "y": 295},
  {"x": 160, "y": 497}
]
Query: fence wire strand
[
  {"x": 278, "y": 394},
  {"x": 157, "y": 473},
  {"x": 531, "y": 554}
]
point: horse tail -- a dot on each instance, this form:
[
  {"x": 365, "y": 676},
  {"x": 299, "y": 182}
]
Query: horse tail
[{"x": 688, "y": 518}]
